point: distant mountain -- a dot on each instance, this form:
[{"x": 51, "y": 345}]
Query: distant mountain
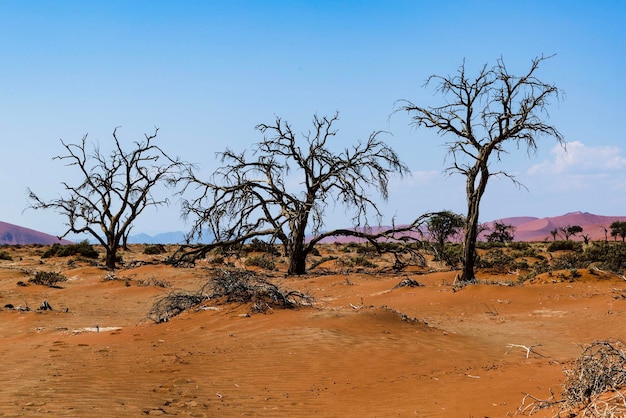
[
  {"x": 538, "y": 229},
  {"x": 164, "y": 238},
  {"x": 176, "y": 237},
  {"x": 12, "y": 235},
  {"x": 527, "y": 228}
]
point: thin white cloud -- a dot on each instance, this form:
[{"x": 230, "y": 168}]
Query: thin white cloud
[{"x": 578, "y": 158}]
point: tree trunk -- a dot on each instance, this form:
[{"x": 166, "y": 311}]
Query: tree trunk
[
  {"x": 469, "y": 242},
  {"x": 111, "y": 256},
  {"x": 475, "y": 193},
  {"x": 297, "y": 253},
  {"x": 297, "y": 260}
]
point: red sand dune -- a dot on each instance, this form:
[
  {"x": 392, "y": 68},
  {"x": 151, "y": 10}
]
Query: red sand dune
[
  {"x": 13, "y": 235},
  {"x": 538, "y": 229},
  {"x": 529, "y": 229}
]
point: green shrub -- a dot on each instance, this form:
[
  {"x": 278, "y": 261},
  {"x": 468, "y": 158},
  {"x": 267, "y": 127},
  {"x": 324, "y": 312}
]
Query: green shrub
[
  {"x": 528, "y": 252},
  {"x": 83, "y": 248},
  {"x": 607, "y": 255},
  {"x": 154, "y": 249},
  {"x": 565, "y": 246},
  {"x": 452, "y": 254},
  {"x": 5, "y": 256},
  {"x": 520, "y": 246},
  {"x": 47, "y": 278},
  {"x": 496, "y": 259},
  {"x": 570, "y": 261},
  {"x": 489, "y": 245}
]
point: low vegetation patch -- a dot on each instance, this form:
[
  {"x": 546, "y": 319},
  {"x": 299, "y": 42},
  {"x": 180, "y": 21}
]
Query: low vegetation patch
[
  {"x": 5, "y": 256},
  {"x": 83, "y": 249},
  {"x": 565, "y": 246},
  {"x": 47, "y": 278},
  {"x": 154, "y": 249},
  {"x": 153, "y": 281},
  {"x": 261, "y": 261}
]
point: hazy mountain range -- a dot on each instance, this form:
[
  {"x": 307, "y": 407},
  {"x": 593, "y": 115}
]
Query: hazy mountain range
[{"x": 527, "y": 228}]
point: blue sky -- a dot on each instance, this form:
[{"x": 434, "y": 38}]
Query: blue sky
[{"x": 207, "y": 72}]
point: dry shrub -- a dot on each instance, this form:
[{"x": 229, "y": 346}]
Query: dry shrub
[
  {"x": 600, "y": 368},
  {"x": 173, "y": 304},
  {"x": 230, "y": 286},
  {"x": 408, "y": 283},
  {"x": 594, "y": 387},
  {"x": 48, "y": 278},
  {"x": 240, "y": 286}
]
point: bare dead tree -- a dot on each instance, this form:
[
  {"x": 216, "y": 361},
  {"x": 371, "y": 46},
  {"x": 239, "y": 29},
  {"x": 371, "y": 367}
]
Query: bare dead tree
[
  {"x": 114, "y": 189},
  {"x": 482, "y": 115},
  {"x": 285, "y": 189}
]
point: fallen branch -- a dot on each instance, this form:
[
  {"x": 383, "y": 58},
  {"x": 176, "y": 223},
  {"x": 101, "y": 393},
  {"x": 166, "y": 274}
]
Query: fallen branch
[{"x": 529, "y": 349}]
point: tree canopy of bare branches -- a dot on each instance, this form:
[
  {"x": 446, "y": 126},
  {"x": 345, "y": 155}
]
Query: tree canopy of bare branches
[
  {"x": 115, "y": 189},
  {"x": 285, "y": 189},
  {"x": 480, "y": 117}
]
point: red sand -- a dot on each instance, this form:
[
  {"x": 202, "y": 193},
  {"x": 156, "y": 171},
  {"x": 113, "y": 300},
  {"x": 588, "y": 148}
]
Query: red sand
[{"x": 350, "y": 354}]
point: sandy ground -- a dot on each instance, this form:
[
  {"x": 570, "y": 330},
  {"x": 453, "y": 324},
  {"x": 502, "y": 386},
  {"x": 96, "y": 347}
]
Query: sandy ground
[{"x": 351, "y": 354}]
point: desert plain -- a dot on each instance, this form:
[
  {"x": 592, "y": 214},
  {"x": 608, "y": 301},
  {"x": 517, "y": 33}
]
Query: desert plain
[{"x": 361, "y": 347}]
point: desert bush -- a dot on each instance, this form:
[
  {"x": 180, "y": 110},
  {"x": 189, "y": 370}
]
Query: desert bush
[
  {"x": 261, "y": 261},
  {"x": 565, "y": 246},
  {"x": 154, "y": 249},
  {"x": 363, "y": 261},
  {"x": 259, "y": 246},
  {"x": 607, "y": 255},
  {"x": 354, "y": 247},
  {"x": 600, "y": 369},
  {"x": 230, "y": 286},
  {"x": 153, "y": 281},
  {"x": 539, "y": 267},
  {"x": 236, "y": 286},
  {"x": 528, "y": 252},
  {"x": 482, "y": 245},
  {"x": 83, "y": 248},
  {"x": 520, "y": 245},
  {"x": 5, "y": 256},
  {"x": 408, "y": 282},
  {"x": 451, "y": 254},
  {"x": 173, "y": 304},
  {"x": 47, "y": 278},
  {"x": 498, "y": 260},
  {"x": 570, "y": 261}
]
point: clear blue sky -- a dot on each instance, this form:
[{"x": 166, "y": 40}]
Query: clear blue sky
[{"x": 207, "y": 72}]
